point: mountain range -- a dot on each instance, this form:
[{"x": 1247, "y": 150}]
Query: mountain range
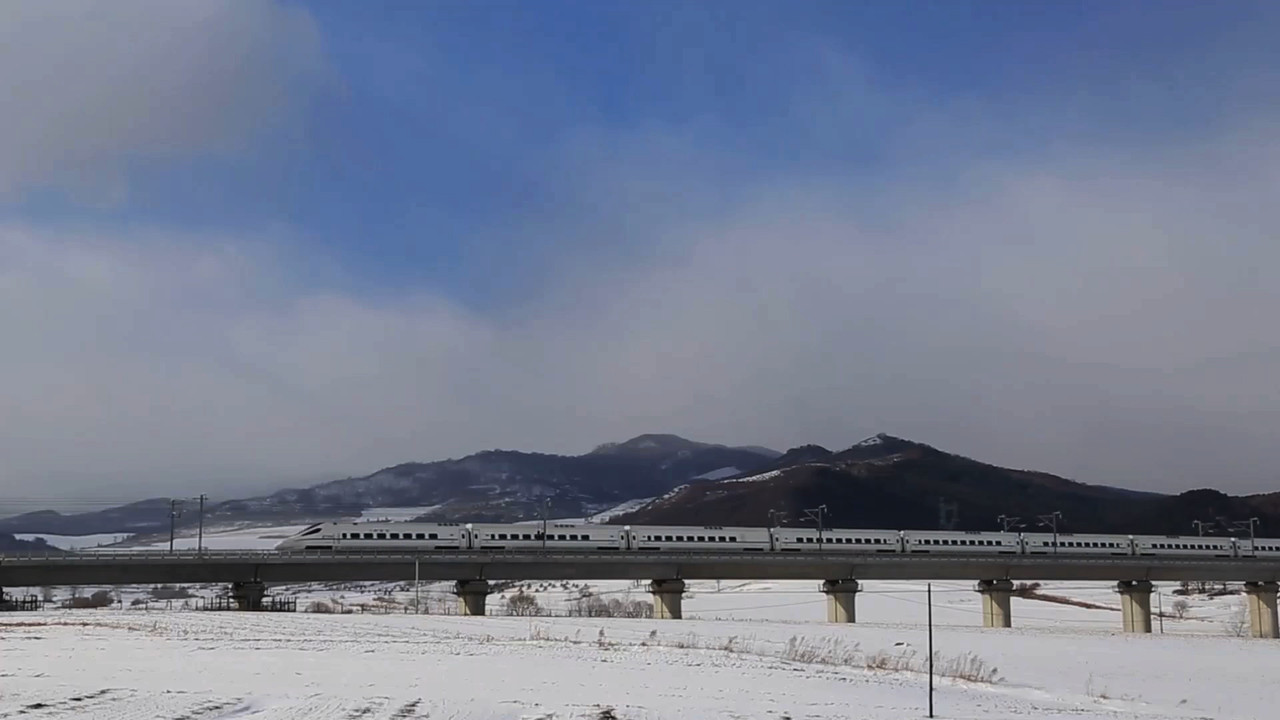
[{"x": 880, "y": 482}]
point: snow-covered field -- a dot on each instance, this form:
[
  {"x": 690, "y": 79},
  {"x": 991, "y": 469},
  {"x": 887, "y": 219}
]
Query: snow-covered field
[
  {"x": 76, "y": 542},
  {"x": 769, "y": 657},
  {"x": 745, "y": 650},
  {"x": 240, "y": 538}
]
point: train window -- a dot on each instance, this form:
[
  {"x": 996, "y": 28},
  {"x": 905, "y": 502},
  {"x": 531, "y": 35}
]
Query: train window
[
  {"x": 702, "y": 538},
  {"x": 433, "y": 536},
  {"x": 382, "y": 536},
  {"x": 420, "y": 536},
  {"x": 394, "y": 536},
  {"x": 368, "y": 536}
]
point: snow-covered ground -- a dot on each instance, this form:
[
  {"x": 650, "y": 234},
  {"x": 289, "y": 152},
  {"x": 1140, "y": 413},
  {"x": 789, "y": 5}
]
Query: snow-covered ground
[
  {"x": 770, "y": 656},
  {"x": 621, "y": 509},
  {"x": 745, "y": 650},
  {"x": 238, "y": 538},
  {"x": 396, "y": 514},
  {"x": 77, "y": 542},
  {"x": 718, "y": 474}
]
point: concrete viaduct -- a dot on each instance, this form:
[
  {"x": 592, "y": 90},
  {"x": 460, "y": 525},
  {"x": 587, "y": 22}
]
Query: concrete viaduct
[{"x": 249, "y": 572}]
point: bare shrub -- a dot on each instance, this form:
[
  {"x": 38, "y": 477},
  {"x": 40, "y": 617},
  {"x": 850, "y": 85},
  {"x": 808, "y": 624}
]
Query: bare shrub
[
  {"x": 965, "y": 666},
  {"x": 588, "y": 605},
  {"x": 1026, "y": 589},
  {"x": 170, "y": 592},
  {"x": 523, "y": 605},
  {"x": 99, "y": 599},
  {"x": 319, "y": 606},
  {"x": 637, "y": 609},
  {"x": 1238, "y": 624},
  {"x": 824, "y": 651},
  {"x": 1180, "y": 608},
  {"x": 891, "y": 661}
]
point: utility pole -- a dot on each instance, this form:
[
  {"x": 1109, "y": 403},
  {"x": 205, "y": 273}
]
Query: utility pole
[
  {"x": 175, "y": 509},
  {"x": 929, "y": 601},
  {"x": 200, "y": 536},
  {"x": 1007, "y": 523},
  {"x": 546, "y": 510},
  {"x": 776, "y": 518},
  {"x": 816, "y": 514},
  {"x": 1051, "y": 520}
]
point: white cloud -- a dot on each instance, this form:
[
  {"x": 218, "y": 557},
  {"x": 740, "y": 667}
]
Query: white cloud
[
  {"x": 1111, "y": 323},
  {"x": 1099, "y": 314},
  {"x": 93, "y": 88}
]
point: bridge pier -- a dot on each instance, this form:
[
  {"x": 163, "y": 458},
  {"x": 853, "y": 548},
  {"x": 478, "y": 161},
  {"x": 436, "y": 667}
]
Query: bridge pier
[
  {"x": 996, "y": 603},
  {"x": 667, "y": 598},
  {"x": 840, "y": 600},
  {"x": 1264, "y": 620},
  {"x": 248, "y": 595},
  {"x": 1135, "y": 605},
  {"x": 471, "y": 596}
]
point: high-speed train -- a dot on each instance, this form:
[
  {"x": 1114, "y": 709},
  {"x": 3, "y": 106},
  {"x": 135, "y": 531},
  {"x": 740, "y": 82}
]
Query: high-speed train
[{"x": 441, "y": 537}]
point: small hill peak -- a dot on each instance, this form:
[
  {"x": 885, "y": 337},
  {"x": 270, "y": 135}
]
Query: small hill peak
[{"x": 650, "y": 444}]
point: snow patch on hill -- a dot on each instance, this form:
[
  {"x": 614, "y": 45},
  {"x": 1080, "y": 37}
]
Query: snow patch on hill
[
  {"x": 622, "y": 509},
  {"x": 396, "y": 514},
  {"x": 755, "y": 478},
  {"x": 718, "y": 474}
]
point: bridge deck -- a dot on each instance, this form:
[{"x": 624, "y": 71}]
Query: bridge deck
[{"x": 119, "y": 568}]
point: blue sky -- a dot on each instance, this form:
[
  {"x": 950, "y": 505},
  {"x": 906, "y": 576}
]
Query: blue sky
[
  {"x": 532, "y": 177},
  {"x": 441, "y": 126}
]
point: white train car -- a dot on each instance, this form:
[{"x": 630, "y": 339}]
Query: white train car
[
  {"x": 379, "y": 536},
  {"x": 560, "y": 536},
  {"x": 944, "y": 541},
  {"x": 850, "y": 541},
  {"x": 663, "y": 538},
  {"x": 1183, "y": 545},
  {"x": 1258, "y": 547},
  {"x": 1073, "y": 544}
]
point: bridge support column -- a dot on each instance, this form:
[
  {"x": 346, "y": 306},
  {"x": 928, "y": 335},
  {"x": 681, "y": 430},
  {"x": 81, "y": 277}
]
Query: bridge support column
[
  {"x": 1135, "y": 605},
  {"x": 996, "y": 603},
  {"x": 667, "y": 597},
  {"x": 1264, "y": 621},
  {"x": 248, "y": 595},
  {"x": 471, "y": 596},
  {"x": 840, "y": 596}
]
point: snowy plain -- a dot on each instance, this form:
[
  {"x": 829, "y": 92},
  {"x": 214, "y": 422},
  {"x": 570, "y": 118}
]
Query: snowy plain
[{"x": 746, "y": 650}]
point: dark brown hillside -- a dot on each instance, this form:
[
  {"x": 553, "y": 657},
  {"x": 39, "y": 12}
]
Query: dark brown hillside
[{"x": 887, "y": 482}]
